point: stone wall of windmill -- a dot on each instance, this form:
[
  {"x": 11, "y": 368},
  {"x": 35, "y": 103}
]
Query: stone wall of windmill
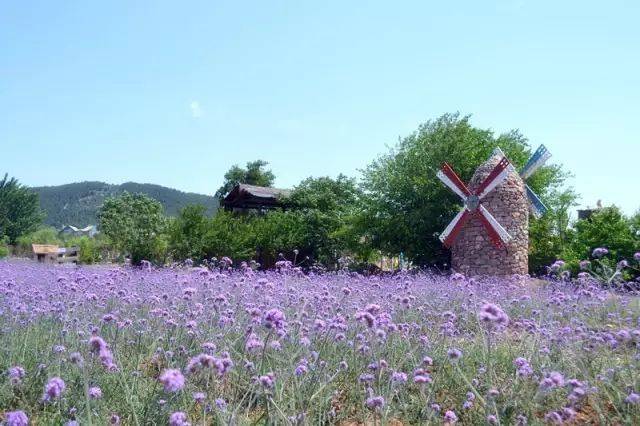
[{"x": 472, "y": 252}]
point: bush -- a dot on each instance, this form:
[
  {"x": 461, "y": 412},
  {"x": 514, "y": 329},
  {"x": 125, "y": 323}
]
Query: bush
[
  {"x": 607, "y": 228},
  {"x": 44, "y": 235},
  {"x": 90, "y": 249},
  {"x": 4, "y": 249}
]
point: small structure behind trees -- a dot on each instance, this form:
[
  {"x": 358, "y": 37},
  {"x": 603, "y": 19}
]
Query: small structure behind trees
[{"x": 244, "y": 198}]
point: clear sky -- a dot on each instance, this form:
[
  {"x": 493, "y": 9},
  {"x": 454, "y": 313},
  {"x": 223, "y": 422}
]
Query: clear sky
[{"x": 175, "y": 92}]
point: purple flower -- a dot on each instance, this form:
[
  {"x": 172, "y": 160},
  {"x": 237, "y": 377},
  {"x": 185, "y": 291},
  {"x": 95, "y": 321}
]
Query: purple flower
[
  {"x": 95, "y": 392},
  {"x": 622, "y": 265},
  {"x": 54, "y": 389},
  {"x": 454, "y": 354},
  {"x": 199, "y": 397},
  {"x": 584, "y": 265},
  {"x": 375, "y": 402},
  {"x": 16, "y": 374},
  {"x": 450, "y": 417},
  {"x": 221, "y": 404},
  {"x": 16, "y": 418},
  {"x": 633, "y": 398},
  {"x": 178, "y": 418},
  {"x": 268, "y": 380},
  {"x": 75, "y": 358},
  {"x": 600, "y": 252},
  {"x": 274, "y": 318},
  {"x": 636, "y": 256},
  {"x": 399, "y": 377},
  {"x": 172, "y": 379},
  {"x": 114, "y": 419},
  {"x": 557, "y": 265},
  {"x": 492, "y": 314}
]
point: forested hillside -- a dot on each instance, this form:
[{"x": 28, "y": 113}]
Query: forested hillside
[{"x": 77, "y": 203}]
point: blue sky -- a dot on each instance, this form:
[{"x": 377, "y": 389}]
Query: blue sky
[{"x": 174, "y": 93}]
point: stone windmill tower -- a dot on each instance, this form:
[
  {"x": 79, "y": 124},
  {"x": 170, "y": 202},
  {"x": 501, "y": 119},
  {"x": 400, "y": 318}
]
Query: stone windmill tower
[{"x": 490, "y": 235}]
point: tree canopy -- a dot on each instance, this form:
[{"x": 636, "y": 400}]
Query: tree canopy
[
  {"x": 253, "y": 174},
  {"x": 19, "y": 209},
  {"x": 136, "y": 225}
]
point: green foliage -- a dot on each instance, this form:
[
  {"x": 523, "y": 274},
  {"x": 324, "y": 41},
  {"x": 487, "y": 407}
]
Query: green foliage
[
  {"x": 43, "y": 235},
  {"x": 4, "y": 249},
  {"x": 253, "y": 174},
  {"x": 316, "y": 225},
  {"x": 19, "y": 212},
  {"x": 187, "y": 233},
  {"x": 90, "y": 249},
  {"x": 78, "y": 203},
  {"x": 135, "y": 224},
  {"x": 607, "y": 228},
  {"x": 550, "y": 235},
  {"x": 229, "y": 235},
  {"x": 327, "y": 211},
  {"x": 406, "y": 207}
]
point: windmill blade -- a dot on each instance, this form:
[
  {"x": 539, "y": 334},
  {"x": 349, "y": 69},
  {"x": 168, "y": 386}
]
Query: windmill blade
[
  {"x": 537, "y": 206},
  {"x": 495, "y": 178},
  {"x": 498, "y": 152},
  {"x": 497, "y": 234},
  {"x": 451, "y": 232},
  {"x": 536, "y": 161},
  {"x": 451, "y": 179}
]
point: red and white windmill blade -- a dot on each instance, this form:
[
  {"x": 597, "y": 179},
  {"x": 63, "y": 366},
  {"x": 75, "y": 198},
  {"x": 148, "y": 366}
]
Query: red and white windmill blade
[{"x": 473, "y": 204}]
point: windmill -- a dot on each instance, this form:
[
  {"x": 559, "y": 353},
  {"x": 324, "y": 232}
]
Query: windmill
[
  {"x": 537, "y": 160},
  {"x": 473, "y": 204}
]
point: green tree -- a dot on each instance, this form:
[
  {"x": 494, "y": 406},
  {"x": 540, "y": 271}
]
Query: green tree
[
  {"x": 136, "y": 226},
  {"x": 407, "y": 207},
  {"x": 187, "y": 233},
  {"x": 608, "y": 228},
  {"x": 19, "y": 210},
  {"x": 229, "y": 235},
  {"x": 551, "y": 235},
  {"x": 326, "y": 210},
  {"x": 253, "y": 174}
]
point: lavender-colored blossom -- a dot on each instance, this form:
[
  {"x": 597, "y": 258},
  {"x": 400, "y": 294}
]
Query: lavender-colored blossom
[
  {"x": 16, "y": 418},
  {"x": 454, "y": 354},
  {"x": 16, "y": 374},
  {"x": 268, "y": 380},
  {"x": 54, "y": 388},
  {"x": 600, "y": 252},
  {"x": 375, "y": 402},
  {"x": 221, "y": 404},
  {"x": 95, "y": 392},
  {"x": 178, "y": 418},
  {"x": 492, "y": 314},
  {"x": 450, "y": 417},
  {"x": 172, "y": 380},
  {"x": 633, "y": 398}
]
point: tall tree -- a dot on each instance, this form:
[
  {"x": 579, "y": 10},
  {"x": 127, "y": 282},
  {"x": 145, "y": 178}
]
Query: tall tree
[
  {"x": 19, "y": 209},
  {"x": 135, "y": 224},
  {"x": 407, "y": 207},
  {"x": 253, "y": 174}
]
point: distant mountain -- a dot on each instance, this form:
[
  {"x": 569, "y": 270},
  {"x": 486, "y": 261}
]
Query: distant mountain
[{"x": 77, "y": 203}]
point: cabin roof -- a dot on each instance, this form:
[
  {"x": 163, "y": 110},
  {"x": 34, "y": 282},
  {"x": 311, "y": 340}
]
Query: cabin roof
[
  {"x": 243, "y": 195},
  {"x": 44, "y": 248}
]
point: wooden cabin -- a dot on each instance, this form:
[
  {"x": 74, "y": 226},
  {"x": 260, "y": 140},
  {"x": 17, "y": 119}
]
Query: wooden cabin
[
  {"x": 51, "y": 253},
  {"x": 245, "y": 198}
]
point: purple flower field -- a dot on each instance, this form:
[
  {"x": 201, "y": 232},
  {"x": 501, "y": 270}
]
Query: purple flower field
[{"x": 111, "y": 345}]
